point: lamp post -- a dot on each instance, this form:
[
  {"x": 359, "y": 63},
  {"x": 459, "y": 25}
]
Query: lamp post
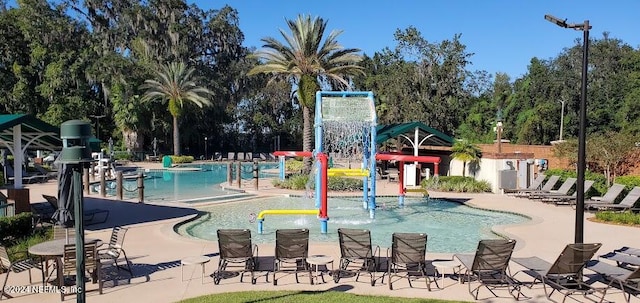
[
  {"x": 205, "y": 148},
  {"x": 582, "y": 136},
  {"x": 499, "y": 129},
  {"x": 561, "y": 119},
  {"x": 98, "y": 124}
]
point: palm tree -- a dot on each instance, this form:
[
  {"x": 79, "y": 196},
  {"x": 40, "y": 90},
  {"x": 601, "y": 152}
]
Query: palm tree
[
  {"x": 464, "y": 151},
  {"x": 307, "y": 62},
  {"x": 176, "y": 84}
]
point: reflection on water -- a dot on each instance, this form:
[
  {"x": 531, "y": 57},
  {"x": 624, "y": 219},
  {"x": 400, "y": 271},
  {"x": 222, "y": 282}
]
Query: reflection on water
[{"x": 451, "y": 227}]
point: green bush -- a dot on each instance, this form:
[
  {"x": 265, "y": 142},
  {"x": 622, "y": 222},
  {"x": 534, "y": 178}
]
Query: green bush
[
  {"x": 20, "y": 247},
  {"x": 629, "y": 181},
  {"x": 123, "y": 155},
  {"x": 15, "y": 228},
  {"x": 181, "y": 159},
  {"x": 626, "y": 217},
  {"x": 300, "y": 181},
  {"x": 293, "y": 165},
  {"x": 456, "y": 184}
]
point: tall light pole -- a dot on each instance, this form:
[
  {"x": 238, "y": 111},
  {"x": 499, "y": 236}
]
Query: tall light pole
[
  {"x": 205, "y": 148},
  {"x": 582, "y": 136},
  {"x": 561, "y": 119}
]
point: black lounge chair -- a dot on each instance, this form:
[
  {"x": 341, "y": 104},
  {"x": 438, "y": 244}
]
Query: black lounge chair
[
  {"x": 489, "y": 267},
  {"x": 407, "y": 255},
  {"x": 565, "y": 274},
  {"x": 237, "y": 254},
  {"x": 357, "y": 255},
  {"x": 624, "y": 279},
  {"x": 292, "y": 250}
]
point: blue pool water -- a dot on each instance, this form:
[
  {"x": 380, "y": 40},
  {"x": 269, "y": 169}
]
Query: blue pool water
[
  {"x": 189, "y": 186},
  {"x": 451, "y": 227}
]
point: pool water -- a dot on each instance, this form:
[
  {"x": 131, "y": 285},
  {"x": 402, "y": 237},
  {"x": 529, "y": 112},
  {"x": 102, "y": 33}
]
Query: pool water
[
  {"x": 451, "y": 227},
  {"x": 189, "y": 186}
]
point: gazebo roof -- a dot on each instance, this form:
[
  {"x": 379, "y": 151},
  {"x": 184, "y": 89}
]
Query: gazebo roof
[
  {"x": 428, "y": 135},
  {"x": 35, "y": 133}
]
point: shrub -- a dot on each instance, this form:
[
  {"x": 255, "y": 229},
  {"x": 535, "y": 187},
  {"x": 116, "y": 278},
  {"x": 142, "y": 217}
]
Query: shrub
[
  {"x": 181, "y": 159},
  {"x": 20, "y": 247},
  {"x": 626, "y": 217},
  {"x": 15, "y": 228},
  {"x": 294, "y": 165},
  {"x": 457, "y": 184}
]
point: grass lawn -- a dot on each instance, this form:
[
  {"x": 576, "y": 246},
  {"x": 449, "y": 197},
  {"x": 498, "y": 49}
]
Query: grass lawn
[{"x": 304, "y": 297}]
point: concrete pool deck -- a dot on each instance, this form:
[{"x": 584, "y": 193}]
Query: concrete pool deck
[{"x": 155, "y": 251}]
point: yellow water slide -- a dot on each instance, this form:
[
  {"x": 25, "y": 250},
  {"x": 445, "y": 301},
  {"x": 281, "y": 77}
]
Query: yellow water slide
[{"x": 287, "y": 212}]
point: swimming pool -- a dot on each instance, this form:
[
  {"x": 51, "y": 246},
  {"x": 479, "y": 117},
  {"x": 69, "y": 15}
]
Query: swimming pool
[
  {"x": 189, "y": 186},
  {"x": 451, "y": 227}
]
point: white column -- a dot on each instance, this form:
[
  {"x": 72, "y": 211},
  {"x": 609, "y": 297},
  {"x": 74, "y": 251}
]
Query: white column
[{"x": 17, "y": 156}]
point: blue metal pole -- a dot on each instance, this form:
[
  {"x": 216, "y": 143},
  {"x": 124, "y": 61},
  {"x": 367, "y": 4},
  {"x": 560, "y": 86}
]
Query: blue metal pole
[
  {"x": 281, "y": 158},
  {"x": 260, "y": 226},
  {"x": 373, "y": 150}
]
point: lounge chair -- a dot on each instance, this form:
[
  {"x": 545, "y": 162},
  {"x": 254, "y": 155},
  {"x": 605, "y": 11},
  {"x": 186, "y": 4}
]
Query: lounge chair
[
  {"x": 407, "y": 255},
  {"x": 622, "y": 259},
  {"x": 565, "y": 274},
  {"x": 629, "y": 251},
  {"x": 69, "y": 265},
  {"x": 558, "y": 199},
  {"x": 626, "y": 204},
  {"x": 563, "y": 190},
  {"x": 26, "y": 177},
  {"x": 237, "y": 252},
  {"x": 535, "y": 185},
  {"x": 624, "y": 279},
  {"x": 114, "y": 249},
  {"x": 489, "y": 267},
  {"x": 42, "y": 171},
  {"x": 17, "y": 266},
  {"x": 292, "y": 250},
  {"x": 357, "y": 255},
  {"x": 610, "y": 196},
  {"x": 551, "y": 182}
]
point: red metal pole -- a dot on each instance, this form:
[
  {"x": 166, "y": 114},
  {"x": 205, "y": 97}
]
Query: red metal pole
[{"x": 324, "y": 179}]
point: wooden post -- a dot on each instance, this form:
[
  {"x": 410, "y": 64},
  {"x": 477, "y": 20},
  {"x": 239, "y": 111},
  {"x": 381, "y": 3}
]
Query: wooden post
[
  {"x": 119, "y": 187},
  {"x": 230, "y": 173},
  {"x": 239, "y": 174},
  {"x": 85, "y": 182},
  {"x": 103, "y": 183},
  {"x": 255, "y": 174},
  {"x": 140, "y": 188}
]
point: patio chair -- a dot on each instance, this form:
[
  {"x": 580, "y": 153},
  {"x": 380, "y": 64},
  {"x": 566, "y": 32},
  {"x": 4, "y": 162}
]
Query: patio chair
[
  {"x": 551, "y": 182},
  {"x": 622, "y": 259},
  {"x": 69, "y": 263},
  {"x": 565, "y": 274},
  {"x": 89, "y": 214},
  {"x": 237, "y": 252},
  {"x": 18, "y": 266},
  {"x": 292, "y": 250},
  {"x": 628, "y": 250},
  {"x": 626, "y": 204},
  {"x": 69, "y": 234},
  {"x": 624, "y": 279},
  {"x": 407, "y": 254},
  {"x": 610, "y": 196},
  {"x": 357, "y": 255},
  {"x": 563, "y": 190},
  {"x": 489, "y": 267},
  {"x": 558, "y": 199},
  {"x": 535, "y": 185},
  {"x": 114, "y": 249}
]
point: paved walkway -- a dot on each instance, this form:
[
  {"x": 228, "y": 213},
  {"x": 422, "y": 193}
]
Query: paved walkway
[{"x": 156, "y": 250}]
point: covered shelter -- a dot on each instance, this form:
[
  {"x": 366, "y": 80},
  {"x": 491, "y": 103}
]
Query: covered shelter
[
  {"x": 19, "y": 132},
  {"x": 415, "y": 134}
]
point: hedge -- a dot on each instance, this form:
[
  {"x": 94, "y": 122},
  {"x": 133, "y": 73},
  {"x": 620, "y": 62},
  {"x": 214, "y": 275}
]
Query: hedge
[{"x": 15, "y": 228}]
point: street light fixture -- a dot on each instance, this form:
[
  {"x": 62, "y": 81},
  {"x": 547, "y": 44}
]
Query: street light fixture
[{"x": 582, "y": 136}]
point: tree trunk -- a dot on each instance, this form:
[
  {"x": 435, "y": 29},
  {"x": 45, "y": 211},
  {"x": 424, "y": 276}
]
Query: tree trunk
[
  {"x": 464, "y": 168},
  {"x": 176, "y": 137},
  {"x": 307, "y": 136}
]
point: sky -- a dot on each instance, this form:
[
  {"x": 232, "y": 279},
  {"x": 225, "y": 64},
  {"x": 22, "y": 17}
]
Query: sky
[{"x": 503, "y": 35}]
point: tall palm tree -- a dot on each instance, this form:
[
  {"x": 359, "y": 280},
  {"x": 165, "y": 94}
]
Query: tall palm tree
[
  {"x": 177, "y": 85},
  {"x": 307, "y": 61},
  {"x": 465, "y": 151}
]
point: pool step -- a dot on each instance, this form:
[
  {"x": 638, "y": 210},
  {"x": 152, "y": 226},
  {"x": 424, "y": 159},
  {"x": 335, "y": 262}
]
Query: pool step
[{"x": 223, "y": 198}]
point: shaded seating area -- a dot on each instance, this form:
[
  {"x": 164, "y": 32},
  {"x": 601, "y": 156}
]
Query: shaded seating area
[
  {"x": 69, "y": 263},
  {"x": 489, "y": 267},
  {"x": 91, "y": 216},
  {"x": 406, "y": 258},
  {"x": 237, "y": 255},
  {"x": 565, "y": 274},
  {"x": 16, "y": 267},
  {"x": 292, "y": 250},
  {"x": 357, "y": 255}
]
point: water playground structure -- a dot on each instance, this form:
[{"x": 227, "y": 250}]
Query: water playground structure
[{"x": 345, "y": 123}]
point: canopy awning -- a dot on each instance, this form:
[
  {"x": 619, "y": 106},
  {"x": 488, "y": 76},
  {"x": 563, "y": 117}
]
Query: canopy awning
[
  {"x": 417, "y": 133},
  {"x": 20, "y": 132}
]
